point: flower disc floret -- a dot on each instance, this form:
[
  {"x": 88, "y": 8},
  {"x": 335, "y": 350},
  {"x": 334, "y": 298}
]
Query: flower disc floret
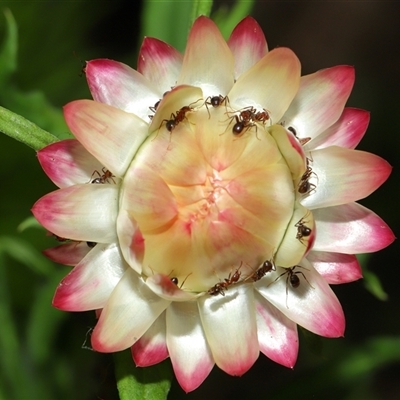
[{"x": 204, "y": 201}]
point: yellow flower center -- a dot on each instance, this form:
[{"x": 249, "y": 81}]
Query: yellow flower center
[{"x": 208, "y": 201}]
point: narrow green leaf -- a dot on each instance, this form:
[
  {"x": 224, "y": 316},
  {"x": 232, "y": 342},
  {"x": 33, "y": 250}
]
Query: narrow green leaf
[
  {"x": 373, "y": 284},
  {"x": 201, "y": 7},
  {"x": 8, "y": 51},
  {"x": 44, "y": 320},
  {"x": 9, "y": 341},
  {"x": 24, "y": 131},
  {"x": 26, "y": 254},
  {"x": 167, "y": 21},
  {"x": 227, "y": 20},
  {"x": 27, "y": 223},
  {"x": 149, "y": 383}
]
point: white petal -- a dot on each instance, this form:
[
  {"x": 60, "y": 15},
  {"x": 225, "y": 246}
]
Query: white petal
[
  {"x": 230, "y": 325},
  {"x": 187, "y": 345},
  {"x": 128, "y": 314}
]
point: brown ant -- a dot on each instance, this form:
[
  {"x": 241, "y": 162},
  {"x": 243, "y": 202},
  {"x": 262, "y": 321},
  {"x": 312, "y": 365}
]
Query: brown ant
[
  {"x": 154, "y": 108},
  {"x": 302, "y": 230},
  {"x": 302, "y": 141},
  {"x": 220, "y": 287},
  {"x": 175, "y": 281},
  {"x": 305, "y": 187},
  {"x": 105, "y": 178},
  {"x": 292, "y": 279},
  {"x": 266, "y": 267},
  {"x": 240, "y": 125},
  {"x": 262, "y": 116},
  {"x": 176, "y": 118},
  {"x": 215, "y": 101}
]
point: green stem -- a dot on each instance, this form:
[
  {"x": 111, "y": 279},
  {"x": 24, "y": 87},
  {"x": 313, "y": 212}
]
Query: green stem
[{"x": 24, "y": 131}]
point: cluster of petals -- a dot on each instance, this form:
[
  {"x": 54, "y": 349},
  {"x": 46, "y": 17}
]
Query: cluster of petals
[{"x": 196, "y": 242}]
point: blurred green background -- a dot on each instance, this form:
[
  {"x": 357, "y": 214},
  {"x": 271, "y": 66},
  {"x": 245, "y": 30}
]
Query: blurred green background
[{"x": 41, "y": 354}]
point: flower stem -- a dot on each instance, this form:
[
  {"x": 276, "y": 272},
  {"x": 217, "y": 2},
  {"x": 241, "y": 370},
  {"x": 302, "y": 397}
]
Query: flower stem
[{"x": 24, "y": 131}]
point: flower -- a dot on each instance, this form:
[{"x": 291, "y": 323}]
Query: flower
[{"x": 209, "y": 201}]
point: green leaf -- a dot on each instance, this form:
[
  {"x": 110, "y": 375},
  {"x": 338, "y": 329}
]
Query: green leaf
[
  {"x": 167, "y": 21},
  {"x": 201, "y": 7},
  {"x": 26, "y": 254},
  {"x": 227, "y": 20},
  {"x": 8, "y": 51},
  {"x": 148, "y": 383},
  {"x": 24, "y": 131},
  {"x": 44, "y": 320},
  {"x": 27, "y": 223},
  {"x": 371, "y": 281},
  {"x": 373, "y": 284}
]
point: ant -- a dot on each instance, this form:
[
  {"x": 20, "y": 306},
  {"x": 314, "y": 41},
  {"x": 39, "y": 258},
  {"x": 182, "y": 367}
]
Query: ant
[
  {"x": 302, "y": 230},
  {"x": 175, "y": 281},
  {"x": 241, "y": 124},
  {"x": 216, "y": 101},
  {"x": 105, "y": 178},
  {"x": 220, "y": 287},
  {"x": 154, "y": 108},
  {"x": 292, "y": 279},
  {"x": 266, "y": 267},
  {"x": 176, "y": 118},
  {"x": 302, "y": 141},
  {"x": 305, "y": 187}
]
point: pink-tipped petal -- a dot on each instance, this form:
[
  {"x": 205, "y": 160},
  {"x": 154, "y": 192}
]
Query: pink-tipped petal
[
  {"x": 208, "y": 62},
  {"x": 68, "y": 163},
  {"x": 271, "y": 84},
  {"x": 343, "y": 175},
  {"x": 346, "y": 132},
  {"x": 336, "y": 268},
  {"x": 81, "y": 212},
  {"x": 68, "y": 253},
  {"x": 89, "y": 285},
  {"x": 109, "y": 134},
  {"x": 187, "y": 345},
  {"x": 120, "y": 86},
  {"x": 248, "y": 45},
  {"x": 151, "y": 348},
  {"x": 160, "y": 63},
  {"x": 312, "y": 304},
  {"x": 320, "y": 100},
  {"x": 130, "y": 311},
  {"x": 222, "y": 315},
  {"x": 277, "y": 334},
  {"x": 350, "y": 229}
]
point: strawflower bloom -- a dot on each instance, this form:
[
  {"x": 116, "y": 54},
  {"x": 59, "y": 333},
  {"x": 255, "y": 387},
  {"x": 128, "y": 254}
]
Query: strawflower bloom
[{"x": 209, "y": 202}]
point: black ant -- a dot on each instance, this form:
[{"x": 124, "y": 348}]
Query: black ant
[
  {"x": 266, "y": 267},
  {"x": 292, "y": 279},
  {"x": 305, "y": 187},
  {"x": 302, "y": 230},
  {"x": 220, "y": 287},
  {"x": 107, "y": 175}
]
